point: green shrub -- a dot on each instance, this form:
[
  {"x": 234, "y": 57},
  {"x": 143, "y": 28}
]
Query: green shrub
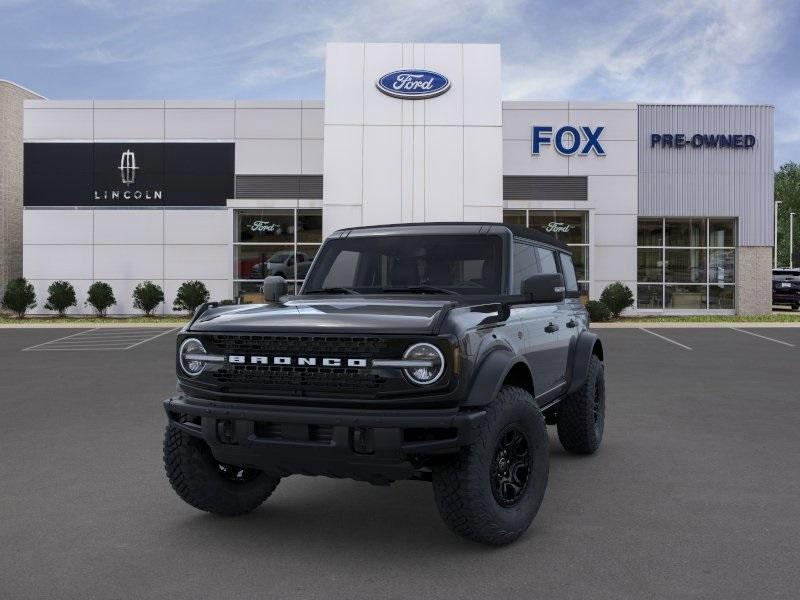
[
  {"x": 101, "y": 297},
  {"x": 190, "y": 295},
  {"x": 19, "y": 297},
  {"x": 60, "y": 296},
  {"x": 617, "y": 297},
  {"x": 147, "y": 296},
  {"x": 598, "y": 312}
]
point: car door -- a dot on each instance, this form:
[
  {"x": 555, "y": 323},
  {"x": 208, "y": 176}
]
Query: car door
[
  {"x": 538, "y": 324},
  {"x": 560, "y": 318},
  {"x": 574, "y": 311}
]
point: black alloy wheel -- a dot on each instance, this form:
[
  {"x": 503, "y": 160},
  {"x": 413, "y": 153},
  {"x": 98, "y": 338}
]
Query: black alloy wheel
[{"x": 511, "y": 466}]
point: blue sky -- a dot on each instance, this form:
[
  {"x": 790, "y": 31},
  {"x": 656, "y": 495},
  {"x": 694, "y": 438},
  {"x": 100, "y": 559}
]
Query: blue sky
[{"x": 666, "y": 50}]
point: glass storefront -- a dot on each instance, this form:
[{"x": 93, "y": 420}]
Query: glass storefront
[
  {"x": 568, "y": 226},
  {"x": 274, "y": 242},
  {"x": 687, "y": 264}
]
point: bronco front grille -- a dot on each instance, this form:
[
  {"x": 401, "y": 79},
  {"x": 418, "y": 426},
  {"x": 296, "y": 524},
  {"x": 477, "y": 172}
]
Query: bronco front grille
[{"x": 300, "y": 380}]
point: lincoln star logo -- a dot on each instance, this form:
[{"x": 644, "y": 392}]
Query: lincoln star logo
[
  {"x": 297, "y": 361},
  {"x": 127, "y": 167},
  {"x": 413, "y": 84}
]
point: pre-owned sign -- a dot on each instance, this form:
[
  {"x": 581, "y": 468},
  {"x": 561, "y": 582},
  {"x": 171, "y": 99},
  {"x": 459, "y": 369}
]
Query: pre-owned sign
[
  {"x": 128, "y": 174},
  {"x": 702, "y": 140}
]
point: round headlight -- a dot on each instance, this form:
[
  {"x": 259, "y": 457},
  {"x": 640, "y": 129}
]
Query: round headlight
[
  {"x": 428, "y": 353},
  {"x": 187, "y": 353}
]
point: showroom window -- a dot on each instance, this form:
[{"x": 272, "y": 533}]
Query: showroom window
[
  {"x": 568, "y": 226},
  {"x": 686, "y": 264},
  {"x": 273, "y": 242}
]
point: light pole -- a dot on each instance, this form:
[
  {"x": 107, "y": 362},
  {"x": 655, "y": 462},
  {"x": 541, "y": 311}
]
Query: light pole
[
  {"x": 777, "y": 203},
  {"x": 791, "y": 238}
]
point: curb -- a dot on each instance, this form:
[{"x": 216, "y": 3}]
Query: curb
[
  {"x": 692, "y": 325},
  {"x": 79, "y": 325}
]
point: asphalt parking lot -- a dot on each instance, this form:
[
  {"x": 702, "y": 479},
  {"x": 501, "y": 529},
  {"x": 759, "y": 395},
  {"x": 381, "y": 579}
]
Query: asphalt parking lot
[{"x": 694, "y": 494}]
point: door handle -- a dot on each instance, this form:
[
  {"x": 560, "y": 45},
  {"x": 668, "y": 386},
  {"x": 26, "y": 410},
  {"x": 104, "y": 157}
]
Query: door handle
[
  {"x": 571, "y": 323},
  {"x": 551, "y": 328}
]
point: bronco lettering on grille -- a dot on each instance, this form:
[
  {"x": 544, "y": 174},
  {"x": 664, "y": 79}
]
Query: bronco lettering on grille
[{"x": 299, "y": 361}]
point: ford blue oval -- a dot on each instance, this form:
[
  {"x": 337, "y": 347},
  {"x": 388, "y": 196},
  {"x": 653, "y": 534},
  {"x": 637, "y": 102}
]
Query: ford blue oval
[{"x": 413, "y": 84}]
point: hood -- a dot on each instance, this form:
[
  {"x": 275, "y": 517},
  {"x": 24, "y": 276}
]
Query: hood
[{"x": 328, "y": 315}]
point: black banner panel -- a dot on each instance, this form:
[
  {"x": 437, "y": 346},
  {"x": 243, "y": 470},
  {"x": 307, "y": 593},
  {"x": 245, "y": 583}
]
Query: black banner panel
[{"x": 128, "y": 174}]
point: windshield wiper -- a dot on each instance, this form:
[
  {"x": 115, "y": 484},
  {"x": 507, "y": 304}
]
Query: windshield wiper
[
  {"x": 422, "y": 289},
  {"x": 332, "y": 290}
]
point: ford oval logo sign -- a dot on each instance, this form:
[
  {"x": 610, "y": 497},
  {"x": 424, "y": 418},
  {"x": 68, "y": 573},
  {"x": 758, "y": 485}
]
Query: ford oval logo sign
[{"x": 413, "y": 84}]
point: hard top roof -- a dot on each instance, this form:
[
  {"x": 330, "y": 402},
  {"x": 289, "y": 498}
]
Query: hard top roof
[{"x": 445, "y": 227}]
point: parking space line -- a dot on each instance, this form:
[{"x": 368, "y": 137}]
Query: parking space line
[
  {"x": 154, "y": 337},
  {"x": 685, "y": 347},
  {"x": 763, "y": 337},
  {"x": 59, "y": 339}
]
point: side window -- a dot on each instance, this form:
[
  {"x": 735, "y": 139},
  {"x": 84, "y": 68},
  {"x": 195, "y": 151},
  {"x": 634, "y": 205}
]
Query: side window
[
  {"x": 525, "y": 264},
  {"x": 568, "y": 269},
  {"x": 343, "y": 270},
  {"x": 547, "y": 260}
]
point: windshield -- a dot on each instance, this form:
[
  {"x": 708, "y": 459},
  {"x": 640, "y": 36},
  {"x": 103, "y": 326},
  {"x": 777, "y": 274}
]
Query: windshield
[{"x": 447, "y": 264}]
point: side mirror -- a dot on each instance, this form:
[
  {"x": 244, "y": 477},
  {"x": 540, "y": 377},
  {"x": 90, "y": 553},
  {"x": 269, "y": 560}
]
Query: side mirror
[
  {"x": 544, "y": 287},
  {"x": 274, "y": 287}
]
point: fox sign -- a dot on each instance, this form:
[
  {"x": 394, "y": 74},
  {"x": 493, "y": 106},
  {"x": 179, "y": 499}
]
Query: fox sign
[{"x": 568, "y": 140}]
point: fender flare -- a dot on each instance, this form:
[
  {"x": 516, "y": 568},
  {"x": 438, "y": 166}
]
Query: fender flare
[
  {"x": 584, "y": 348},
  {"x": 490, "y": 375}
]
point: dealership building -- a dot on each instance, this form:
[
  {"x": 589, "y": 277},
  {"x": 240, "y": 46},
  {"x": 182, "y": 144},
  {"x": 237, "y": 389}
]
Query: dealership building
[{"x": 674, "y": 200}]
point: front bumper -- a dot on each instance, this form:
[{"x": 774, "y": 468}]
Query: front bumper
[
  {"x": 377, "y": 446},
  {"x": 786, "y": 297}
]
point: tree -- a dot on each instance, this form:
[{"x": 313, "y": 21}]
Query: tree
[
  {"x": 147, "y": 296},
  {"x": 617, "y": 297},
  {"x": 787, "y": 191},
  {"x": 60, "y": 296},
  {"x": 19, "y": 297},
  {"x": 190, "y": 295},
  {"x": 101, "y": 297}
]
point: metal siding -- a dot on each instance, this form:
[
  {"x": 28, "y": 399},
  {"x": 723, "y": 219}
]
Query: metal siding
[
  {"x": 545, "y": 188},
  {"x": 279, "y": 186},
  {"x": 709, "y": 182}
]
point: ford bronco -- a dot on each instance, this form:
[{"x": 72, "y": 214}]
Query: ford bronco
[{"x": 437, "y": 352}]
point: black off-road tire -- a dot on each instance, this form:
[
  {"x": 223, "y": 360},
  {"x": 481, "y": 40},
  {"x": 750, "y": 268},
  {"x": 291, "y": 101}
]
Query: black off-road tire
[
  {"x": 463, "y": 484},
  {"x": 581, "y": 416},
  {"x": 203, "y": 482}
]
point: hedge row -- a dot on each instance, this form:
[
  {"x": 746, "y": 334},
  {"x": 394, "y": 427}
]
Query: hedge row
[{"x": 20, "y": 297}]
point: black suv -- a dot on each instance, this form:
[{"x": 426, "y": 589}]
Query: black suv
[
  {"x": 436, "y": 352},
  {"x": 786, "y": 287}
]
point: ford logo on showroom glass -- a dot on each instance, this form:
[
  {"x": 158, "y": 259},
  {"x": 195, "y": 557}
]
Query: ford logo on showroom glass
[{"x": 413, "y": 84}]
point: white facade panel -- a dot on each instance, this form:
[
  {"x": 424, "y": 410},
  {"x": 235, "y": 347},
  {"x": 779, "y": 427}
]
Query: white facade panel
[
  {"x": 313, "y": 123},
  {"x": 342, "y": 183},
  {"x": 128, "y": 227},
  {"x": 344, "y": 84},
  {"x": 620, "y": 159},
  {"x": 517, "y": 123},
  {"x": 66, "y": 261},
  {"x": 312, "y": 157},
  {"x": 268, "y": 123},
  {"x": 74, "y": 124},
  {"x": 199, "y": 123},
  {"x": 517, "y": 160},
  {"x": 617, "y": 124},
  {"x": 340, "y": 216},
  {"x": 382, "y": 201},
  {"x": 380, "y": 109},
  {"x": 447, "y": 109},
  {"x": 614, "y": 194},
  {"x": 197, "y": 261},
  {"x": 57, "y": 226},
  {"x": 483, "y": 166},
  {"x": 614, "y": 263},
  {"x": 128, "y": 123},
  {"x": 444, "y": 174},
  {"x": 193, "y": 226},
  {"x": 615, "y": 230},
  {"x": 268, "y": 157},
  {"x": 128, "y": 261},
  {"x": 492, "y": 214}
]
